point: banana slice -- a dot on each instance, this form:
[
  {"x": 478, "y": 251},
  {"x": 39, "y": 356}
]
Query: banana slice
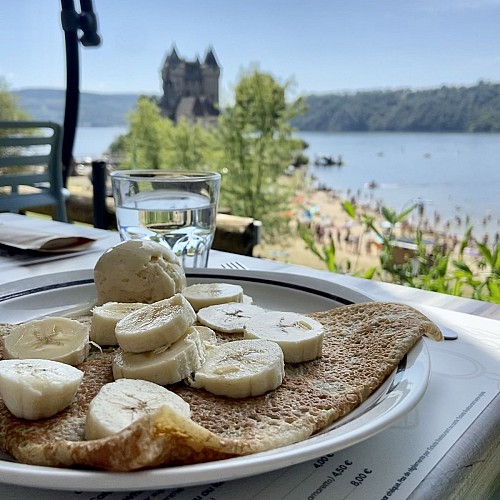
[
  {"x": 300, "y": 337},
  {"x": 155, "y": 325},
  {"x": 241, "y": 368},
  {"x": 37, "y": 388},
  {"x": 105, "y": 318},
  {"x": 55, "y": 338},
  {"x": 207, "y": 336},
  {"x": 230, "y": 317},
  {"x": 120, "y": 403},
  {"x": 163, "y": 365},
  {"x": 208, "y": 294}
]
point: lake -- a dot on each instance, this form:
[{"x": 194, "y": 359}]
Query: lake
[
  {"x": 456, "y": 176},
  {"x": 92, "y": 142}
]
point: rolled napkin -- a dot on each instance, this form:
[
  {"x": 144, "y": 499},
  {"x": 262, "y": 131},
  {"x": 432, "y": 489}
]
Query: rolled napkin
[{"x": 29, "y": 233}]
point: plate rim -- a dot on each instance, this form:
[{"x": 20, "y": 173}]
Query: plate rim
[
  {"x": 65, "y": 479},
  {"x": 17, "y": 288}
]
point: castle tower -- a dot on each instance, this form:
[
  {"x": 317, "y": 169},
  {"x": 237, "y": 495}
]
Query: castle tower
[
  {"x": 211, "y": 74},
  {"x": 172, "y": 76},
  {"x": 190, "y": 88}
]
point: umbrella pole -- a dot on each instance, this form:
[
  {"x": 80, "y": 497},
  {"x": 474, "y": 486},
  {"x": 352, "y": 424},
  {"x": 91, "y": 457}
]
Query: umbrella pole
[{"x": 71, "y": 22}]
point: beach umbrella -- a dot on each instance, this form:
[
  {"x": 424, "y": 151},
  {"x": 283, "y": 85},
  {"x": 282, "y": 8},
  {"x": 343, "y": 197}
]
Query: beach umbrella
[{"x": 72, "y": 23}]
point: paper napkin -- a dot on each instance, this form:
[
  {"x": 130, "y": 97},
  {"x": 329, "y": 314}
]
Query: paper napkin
[{"x": 28, "y": 233}]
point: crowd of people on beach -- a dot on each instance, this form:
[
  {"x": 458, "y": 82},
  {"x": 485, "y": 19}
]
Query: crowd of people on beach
[
  {"x": 319, "y": 208},
  {"x": 352, "y": 235},
  {"x": 340, "y": 235}
]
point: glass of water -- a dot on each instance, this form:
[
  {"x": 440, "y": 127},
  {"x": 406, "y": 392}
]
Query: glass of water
[{"x": 175, "y": 208}]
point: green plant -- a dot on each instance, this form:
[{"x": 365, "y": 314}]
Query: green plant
[
  {"x": 482, "y": 275},
  {"x": 430, "y": 265},
  {"x": 327, "y": 254}
]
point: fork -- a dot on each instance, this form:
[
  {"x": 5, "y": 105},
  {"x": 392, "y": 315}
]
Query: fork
[{"x": 233, "y": 265}]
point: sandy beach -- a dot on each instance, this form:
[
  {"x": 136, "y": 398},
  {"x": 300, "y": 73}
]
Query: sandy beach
[
  {"x": 327, "y": 220},
  {"x": 356, "y": 249},
  {"x": 321, "y": 210}
]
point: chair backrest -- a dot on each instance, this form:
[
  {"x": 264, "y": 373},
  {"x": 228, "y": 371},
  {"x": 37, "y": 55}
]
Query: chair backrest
[{"x": 30, "y": 166}]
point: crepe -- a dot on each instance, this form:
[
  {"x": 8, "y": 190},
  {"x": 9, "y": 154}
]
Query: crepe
[{"x": 363, "y": 344}]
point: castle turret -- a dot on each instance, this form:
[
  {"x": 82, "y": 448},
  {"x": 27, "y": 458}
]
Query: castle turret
[
  {"x": 190, "y": 88},
  {"x": 210, "y": 59},
  {"x": 173, "y": 82},
  {"x": 173, "y": 58},
  {"x": 211, "y": 75}
]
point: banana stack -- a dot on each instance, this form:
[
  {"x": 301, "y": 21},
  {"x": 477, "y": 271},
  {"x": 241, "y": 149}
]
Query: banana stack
[{"x": 156, "y": 345}]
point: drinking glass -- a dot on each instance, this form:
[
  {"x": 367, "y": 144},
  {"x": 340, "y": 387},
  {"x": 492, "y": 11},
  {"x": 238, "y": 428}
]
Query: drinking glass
[{"x": 175, "y": 208}]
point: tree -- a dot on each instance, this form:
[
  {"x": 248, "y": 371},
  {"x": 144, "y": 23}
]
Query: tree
[
  {"x": 147, "y": 132},
  {"x": 191, "y": 147},
  {"x": 9, "y": 107},
  {"x": 154, "y": 142},
  {"x": 257, "y": 145},
  {"x": 251, "y": 148},
  {"x": 444, "y": 109}
]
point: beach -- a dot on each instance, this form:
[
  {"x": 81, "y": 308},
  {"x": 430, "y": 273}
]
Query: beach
[
  {"x": 356, "y": 247},
  {"x": 321, "y": 211}
]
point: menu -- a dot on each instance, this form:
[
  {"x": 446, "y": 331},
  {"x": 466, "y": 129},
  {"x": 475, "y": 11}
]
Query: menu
[{"x": 390, "y": 465}]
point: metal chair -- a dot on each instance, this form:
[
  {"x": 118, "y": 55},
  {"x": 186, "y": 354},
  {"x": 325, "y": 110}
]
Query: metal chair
[{"x": 30, "y": 167}]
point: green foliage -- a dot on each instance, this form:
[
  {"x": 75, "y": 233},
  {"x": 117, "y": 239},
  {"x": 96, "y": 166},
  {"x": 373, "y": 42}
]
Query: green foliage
[
  {"x": 154, "y": 142},
  {"x": 327, "y": 255},
  {"x": 9, "y": 105},
  {"x": 431, "y": 267},
  {"x": 146, "y": 136},
  {"x": 300, "y": 160},
  {"x": 119, "y": 146},
  {"x": 445, "y": 109},
  {"x": 257, "y": 145},
  {"x": 191, "y": 147},
  {"x": 251, "y": 148}
]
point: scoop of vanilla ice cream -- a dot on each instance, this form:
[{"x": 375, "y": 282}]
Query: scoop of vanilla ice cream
[{"x": 138, "y": 271}]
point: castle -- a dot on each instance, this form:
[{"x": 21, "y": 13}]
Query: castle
[{"x": 190, "y": 88}]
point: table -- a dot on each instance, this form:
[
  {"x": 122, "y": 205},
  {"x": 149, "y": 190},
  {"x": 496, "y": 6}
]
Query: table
[{"x": 467, "y": 451}]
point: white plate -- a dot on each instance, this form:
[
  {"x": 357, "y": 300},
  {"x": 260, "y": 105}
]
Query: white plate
[{"x": 65, "y": 292}]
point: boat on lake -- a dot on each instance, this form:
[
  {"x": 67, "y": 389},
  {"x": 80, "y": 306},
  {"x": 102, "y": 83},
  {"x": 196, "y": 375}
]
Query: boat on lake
[{"x": 326, "y": 160}]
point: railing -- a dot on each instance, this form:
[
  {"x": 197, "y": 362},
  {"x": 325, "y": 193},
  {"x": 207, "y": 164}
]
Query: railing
[{"x": 233, "y": 233}]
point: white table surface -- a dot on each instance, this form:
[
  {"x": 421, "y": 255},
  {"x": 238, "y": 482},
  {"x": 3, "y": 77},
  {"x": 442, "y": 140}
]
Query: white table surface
[{"x": 467, "y": 465}]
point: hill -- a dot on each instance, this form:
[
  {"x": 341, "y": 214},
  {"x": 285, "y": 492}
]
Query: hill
[
  {"x": 96, "y": 110},
  {"x": 445, "y": 109}
]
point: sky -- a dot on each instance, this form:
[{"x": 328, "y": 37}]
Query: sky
[{"x": 319, "y": 46}]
